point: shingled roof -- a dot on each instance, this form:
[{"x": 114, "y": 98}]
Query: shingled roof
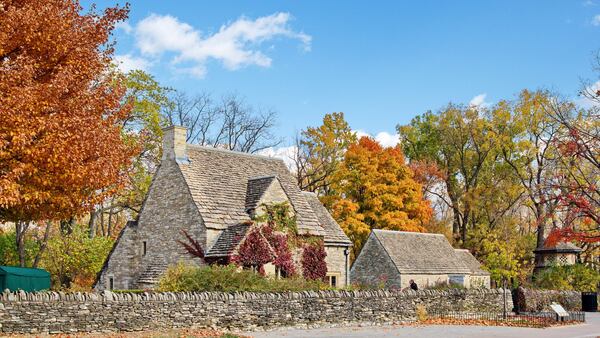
[
  {"x": 333, "y": 232},
  {"x": 228, "y": 240},
  {"x": 218, "y": 182},
  {"x": 471, "y": 262},
  {"x": 420, "y": 253},
  {"x": 560, "y": 247}
]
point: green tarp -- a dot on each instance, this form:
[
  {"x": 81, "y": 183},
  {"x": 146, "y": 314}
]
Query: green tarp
[{"x": 27, "y": 279}]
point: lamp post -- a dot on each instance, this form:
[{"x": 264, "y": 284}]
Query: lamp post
[{"x": 346, "y": 254}]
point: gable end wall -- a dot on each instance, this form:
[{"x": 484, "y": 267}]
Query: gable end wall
[
  {"x": 374, "y": 266},
  {"x": 167, "y": 210}
]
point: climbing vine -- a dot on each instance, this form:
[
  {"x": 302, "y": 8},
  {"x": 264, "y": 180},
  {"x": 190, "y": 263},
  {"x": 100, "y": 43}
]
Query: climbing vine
[
  {"x": 313, "y": 261},
  {"x": 274, "y": 238}
]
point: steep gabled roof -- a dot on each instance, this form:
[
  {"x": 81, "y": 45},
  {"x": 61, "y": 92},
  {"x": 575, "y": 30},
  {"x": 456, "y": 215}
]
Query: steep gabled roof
[
  {"x": 218, "y": 182},
  {"x": 255, "y": 190},
  {"x": 420, "y": 253},
  {"x": 333, "y": 232},
  {"x": 471, "y": 262}
]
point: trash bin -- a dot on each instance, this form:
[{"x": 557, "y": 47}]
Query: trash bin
[{"x": 589, "y": 301}]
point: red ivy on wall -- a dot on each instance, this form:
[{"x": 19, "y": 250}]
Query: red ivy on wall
[
  {"x": 255, "y": 251},
  {"x": 313, "y": 261},
  {"x": 284, "y": 260}
]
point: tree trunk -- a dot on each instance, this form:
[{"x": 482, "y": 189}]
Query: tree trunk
[
  {"x": 43, "y": 244},
  {"x": 66, "y": 226},
  {"x": 20, "y": 229},
  {"x": 92, "y": 223},
  {"x": 541, "y": 229}
]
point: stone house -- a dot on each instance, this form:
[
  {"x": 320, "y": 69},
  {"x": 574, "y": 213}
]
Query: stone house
[
  {"x": 212, "y": 194},
  {"x": 393, "y": 258}
]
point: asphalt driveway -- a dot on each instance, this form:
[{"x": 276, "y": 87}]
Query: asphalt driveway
[{"x": 590, "y": 329}]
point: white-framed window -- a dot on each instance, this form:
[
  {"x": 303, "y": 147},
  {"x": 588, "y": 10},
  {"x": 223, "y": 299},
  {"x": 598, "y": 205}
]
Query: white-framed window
[{"x": 334, "y": 278}]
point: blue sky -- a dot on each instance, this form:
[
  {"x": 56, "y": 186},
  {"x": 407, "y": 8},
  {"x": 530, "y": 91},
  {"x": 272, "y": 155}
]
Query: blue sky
[{"x": 381, "y": 63}]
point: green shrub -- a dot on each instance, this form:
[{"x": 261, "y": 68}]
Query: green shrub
[
  {"x": 576, "y": 277},
  {"x": 229, "y": 278}
]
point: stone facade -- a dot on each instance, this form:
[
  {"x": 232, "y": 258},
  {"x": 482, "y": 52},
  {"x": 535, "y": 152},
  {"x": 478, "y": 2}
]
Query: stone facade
[
  {"x": 106, "y": 311},
  {"x": 167, "y": 211},
  {"x": 336, "y": 265},
  {"x": 374, "y": 267}
]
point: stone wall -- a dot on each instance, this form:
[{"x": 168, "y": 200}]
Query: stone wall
[
  {"x": 106, "y": 311},
  {"x": 533, "y": 300}
]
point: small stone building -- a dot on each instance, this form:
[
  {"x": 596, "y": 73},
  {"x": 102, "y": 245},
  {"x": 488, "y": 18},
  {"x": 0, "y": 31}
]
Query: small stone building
[
  {"x": 562, "y": 253},
  {"x": 478, "y": 278},
  {"x": 393, "y": 258},
  {"x": 212, "y": 194}
]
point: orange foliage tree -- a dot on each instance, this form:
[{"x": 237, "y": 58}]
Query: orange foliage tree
[
  {"x": 62, "y": 148},
  {"x": 376, "y": 190}
]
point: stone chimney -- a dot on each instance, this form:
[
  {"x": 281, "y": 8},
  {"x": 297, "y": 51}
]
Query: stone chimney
[{"x": 174, "y": 145}]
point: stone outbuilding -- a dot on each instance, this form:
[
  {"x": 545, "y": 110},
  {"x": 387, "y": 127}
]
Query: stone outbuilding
[
  {"x": 212, "y": 194},
  {"x": 478, "y": 278},
  {"x": 392, "y": 258},
  {"x": 562, "y": 253}
]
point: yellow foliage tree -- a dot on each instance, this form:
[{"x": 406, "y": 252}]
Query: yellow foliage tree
[{"x": 376, "y": 190}]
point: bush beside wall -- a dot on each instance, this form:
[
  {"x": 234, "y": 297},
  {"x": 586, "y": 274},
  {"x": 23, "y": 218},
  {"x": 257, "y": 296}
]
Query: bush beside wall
[{"x": 56, "y": 312}]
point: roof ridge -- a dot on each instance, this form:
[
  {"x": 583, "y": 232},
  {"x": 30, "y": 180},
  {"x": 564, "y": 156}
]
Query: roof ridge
[
  {"x": 407, "y": 232},
  {"x": 261, "y": 177},
  {"x": 233, "y": 152}
]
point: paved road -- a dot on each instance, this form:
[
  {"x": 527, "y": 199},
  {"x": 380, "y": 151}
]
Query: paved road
[{"x": 590, "y": 329}]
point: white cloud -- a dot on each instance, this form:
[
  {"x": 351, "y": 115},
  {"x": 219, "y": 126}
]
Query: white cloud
[
  {"x": 584, "y": 101},
  {"x": 125, "y": 26},
  {"x": 387, "y": 140},
  {"x": 287, "y": 154},
  {"x": 596, "y": 20},
  {"x": 235, "y": 45},
  {"x": 127, "y": 62},
  {"x": 479, "y": 101},
  {"x": 384, "y": 138}
]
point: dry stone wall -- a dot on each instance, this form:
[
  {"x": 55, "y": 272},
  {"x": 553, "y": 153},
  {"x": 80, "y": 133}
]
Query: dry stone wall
[
  {"x": 533, "y": 300},
  {"x": 56, "y": 312}
]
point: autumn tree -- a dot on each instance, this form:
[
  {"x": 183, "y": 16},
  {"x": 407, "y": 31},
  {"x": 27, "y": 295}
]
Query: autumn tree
[
  {"x": 376, "y": 190},
  {"x": 460, "y": 142},
  {"x": 143, "y": 124},
  {"x": 528, "y": 138},
  {"x": 62, "y": 148},
  {"x": 320, "y": 150},
  {"x": 579, "y": 190}
]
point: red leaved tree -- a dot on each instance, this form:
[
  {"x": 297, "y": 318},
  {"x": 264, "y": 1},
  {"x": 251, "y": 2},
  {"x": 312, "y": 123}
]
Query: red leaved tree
[
  {"x": 62, "y": 148},
  {"x": 579, "y": 188},
  {"x": 313, "y": 261},
  {"x": 254, "y": 251}
]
